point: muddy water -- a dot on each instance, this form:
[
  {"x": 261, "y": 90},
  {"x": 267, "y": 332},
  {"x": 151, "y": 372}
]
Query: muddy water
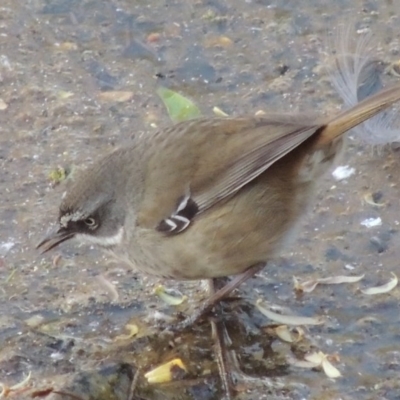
[{"x": 78, "y": 78}]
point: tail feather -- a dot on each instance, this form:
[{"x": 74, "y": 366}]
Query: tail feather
[{"x": 364, "y": 110}]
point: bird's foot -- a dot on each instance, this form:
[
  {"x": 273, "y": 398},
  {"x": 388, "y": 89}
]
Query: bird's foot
[{"x": 214, "y": 298}]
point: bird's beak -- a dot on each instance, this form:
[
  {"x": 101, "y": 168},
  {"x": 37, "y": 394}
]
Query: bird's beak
[{"x": 54, "y": 238}]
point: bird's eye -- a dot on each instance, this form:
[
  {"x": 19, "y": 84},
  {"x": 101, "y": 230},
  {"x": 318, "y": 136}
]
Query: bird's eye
[{"x": 90, "y": 222}]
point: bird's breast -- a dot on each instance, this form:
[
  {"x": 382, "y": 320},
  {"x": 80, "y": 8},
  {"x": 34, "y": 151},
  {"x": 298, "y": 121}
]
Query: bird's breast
[{"x": 249, "y": 228}]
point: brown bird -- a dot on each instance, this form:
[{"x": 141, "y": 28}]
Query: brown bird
[{"x": 207, "y": 198}]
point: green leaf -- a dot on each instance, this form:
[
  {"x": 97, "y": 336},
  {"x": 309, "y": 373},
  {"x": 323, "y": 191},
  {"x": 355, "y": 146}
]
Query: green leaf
[{"x": 179, "y": 108}]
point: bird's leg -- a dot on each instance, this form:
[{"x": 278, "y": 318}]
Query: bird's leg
[
  {"x": 218, "y": 330},
  {"x": 220, "y": 294},
  {"x": 218, "y": 334}
]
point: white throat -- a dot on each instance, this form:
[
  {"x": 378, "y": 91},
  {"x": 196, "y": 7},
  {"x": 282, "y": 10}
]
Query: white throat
[{"x": 103, "y": 241}]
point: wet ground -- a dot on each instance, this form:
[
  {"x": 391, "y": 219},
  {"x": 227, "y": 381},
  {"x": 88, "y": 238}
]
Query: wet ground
[{"x": 77, "y": 78}]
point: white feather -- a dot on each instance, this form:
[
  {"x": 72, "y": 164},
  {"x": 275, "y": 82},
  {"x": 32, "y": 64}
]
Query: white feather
[{"x": 103, "y": 241}]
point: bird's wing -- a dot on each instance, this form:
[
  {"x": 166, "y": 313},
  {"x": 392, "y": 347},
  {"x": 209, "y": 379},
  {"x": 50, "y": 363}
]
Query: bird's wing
[{"x": 197, "y": 164}]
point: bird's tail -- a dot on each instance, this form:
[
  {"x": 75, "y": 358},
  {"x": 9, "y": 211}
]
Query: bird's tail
[{"x": 364, "y": 110}]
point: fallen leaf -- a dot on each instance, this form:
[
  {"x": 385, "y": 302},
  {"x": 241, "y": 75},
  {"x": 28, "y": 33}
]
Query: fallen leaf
[
  {"x": 62, "y": 94},
  {"x": 118, "y": 96},
  {"x": 165, "y": 372},
  {"x": 289, "y": 335},
  {"x": 171, "y": 297},
  {"x": 179, "y": 107},
  {"x": 387, "y": 287},
  {"x": 309, "y": 286},
  {"x": 217, "y": 111},
  {"x": 368, "y": 198},
  {"x": 133, "y": 331},
  {"x": 6, "y": 390},
  {"x": 218, "y": 41},
  {"x": 319, "y": 359},
  {"x": 330, "y": 370},
  {"x": 288, "y": 319}
]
